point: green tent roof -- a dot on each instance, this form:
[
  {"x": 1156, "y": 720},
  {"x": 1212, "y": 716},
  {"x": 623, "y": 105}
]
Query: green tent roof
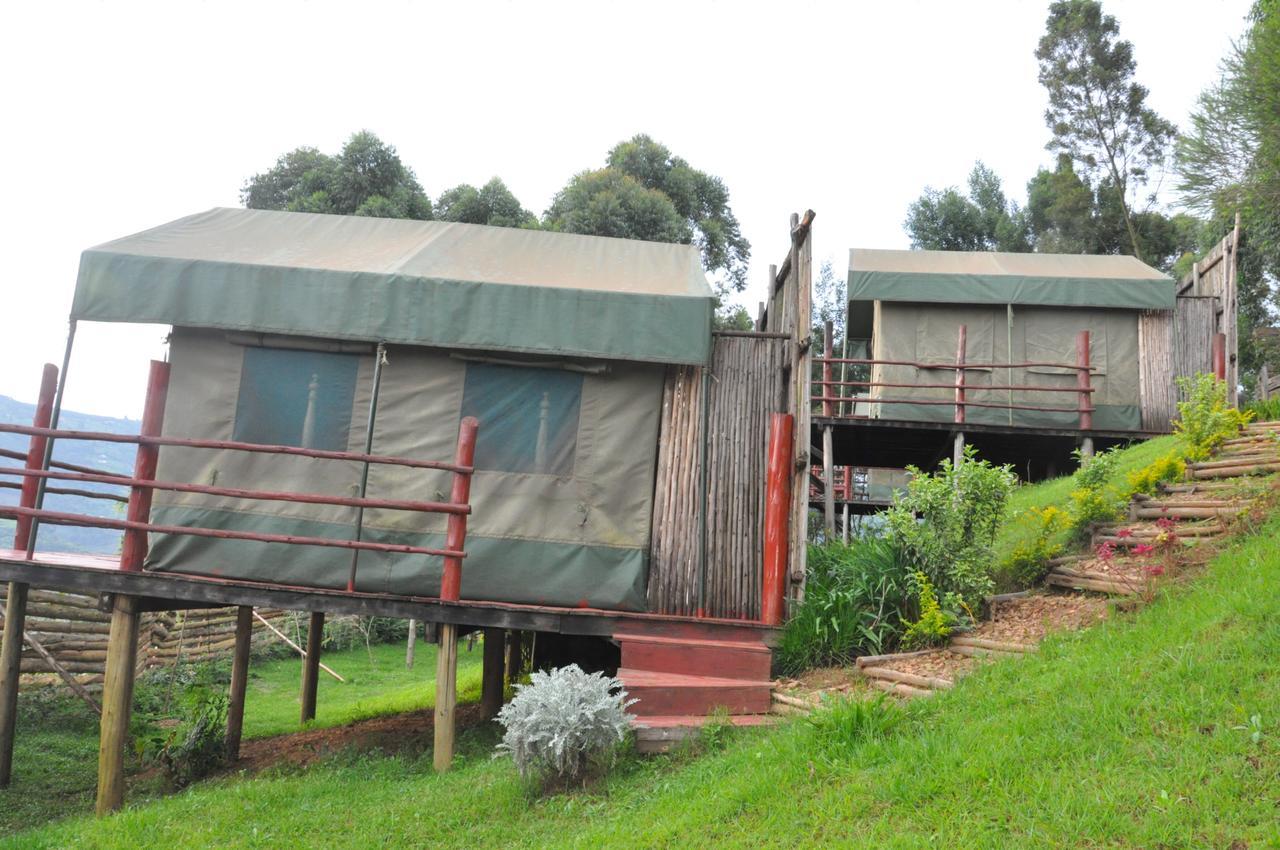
[
  {"x": 412, "y": 282},
  {"x": 988, "y": 277}
]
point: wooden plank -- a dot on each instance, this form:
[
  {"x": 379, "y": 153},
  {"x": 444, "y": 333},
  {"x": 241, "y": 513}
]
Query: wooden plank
[{"x": 10, "y": 673}]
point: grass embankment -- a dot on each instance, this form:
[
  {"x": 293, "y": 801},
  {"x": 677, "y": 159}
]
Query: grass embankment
[
  {"x": 1139, "y": 732},
  {"x": 56, "y": 756}
]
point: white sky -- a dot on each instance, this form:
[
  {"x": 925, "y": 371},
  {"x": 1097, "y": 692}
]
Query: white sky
[{"x": 118, "y": 117}]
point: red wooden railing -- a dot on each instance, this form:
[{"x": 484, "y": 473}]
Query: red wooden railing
[
  {"x": 38, "y": 471},
  {"x": 834, "y": 404}
]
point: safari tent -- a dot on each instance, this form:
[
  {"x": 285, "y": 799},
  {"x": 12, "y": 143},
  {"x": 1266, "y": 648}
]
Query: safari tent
[
  {"x": 557, "y": 344},
  {"x": 906, "y": 309}
]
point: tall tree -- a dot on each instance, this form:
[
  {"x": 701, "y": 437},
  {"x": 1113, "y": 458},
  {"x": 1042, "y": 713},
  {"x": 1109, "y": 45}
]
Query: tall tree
[
  {"x": 1229, "y": 161},
  {"x": 493, "y": 204},
  {"x": 644, "y": 192},
  {"x": 365, "y": 178},
  {"x": 1097, "y": 113},
  {"x": 985, "y": 220}
]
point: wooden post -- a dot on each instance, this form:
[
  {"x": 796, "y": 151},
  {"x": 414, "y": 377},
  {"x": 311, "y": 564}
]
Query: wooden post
[
  {"x": 15, "y": 614},
  {"x": 117, "y": 702},
  {"x": 961, "y": 345},
  {"x": 491, "y": 676},
  {"x": 1220, "y": 356},
  {"x": 1263, "y": 379},
  {"x": 450, "y": 588},
  {"x": 776, "y": 510},
  {"x": 311, "y": 666},
  {"x": 828, "y": 463},
  {"x": 133, "y": 550},
  {"x": 844, "y": 526},
  {"x": 515, "y": 656},
  {"x": 409, "y": 647},
  {"x": 1084, "y": 378},
  {"x": 239, "y": 680},
  {"x": 1086, "y": 451},
  {"x": 957, "y": 449}
]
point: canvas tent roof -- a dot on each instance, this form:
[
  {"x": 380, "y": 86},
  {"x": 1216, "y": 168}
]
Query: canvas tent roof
[
  {"x": 413, "y": 282},
  {"x": 988, "y": 277}
]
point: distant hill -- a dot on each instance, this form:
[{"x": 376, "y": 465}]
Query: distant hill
[{"x": 109, "y": 457}]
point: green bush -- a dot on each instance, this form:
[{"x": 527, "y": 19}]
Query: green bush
[
  {"x": 1169, "y": 467},
  {"x": 932, "y": 627},
  {"x": 1205, "y": 419},
  {"x": 855, "y": 596},
  {"x": 197, "y": 746},
  {"x": 1094, "y": 498},
  {"x": 946, "y": 524},
  {"x": 1028, "y": 563},
  {"x": 1264, "y": 411}
]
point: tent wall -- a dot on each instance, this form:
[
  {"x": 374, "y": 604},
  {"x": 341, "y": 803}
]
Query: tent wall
[
  {"x": 929, "y": 332},
  {"x": 575, "y": 534}
]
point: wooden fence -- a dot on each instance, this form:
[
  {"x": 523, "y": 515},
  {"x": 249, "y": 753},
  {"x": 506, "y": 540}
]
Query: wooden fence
[
  {"x": 707, "y": 540},
  {"x": 73, "y": 630}
]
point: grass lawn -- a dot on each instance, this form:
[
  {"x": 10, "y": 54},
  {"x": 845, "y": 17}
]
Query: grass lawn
[
  {"x": 56, "y": 755},
  {"x": 1158, "y": 728}
]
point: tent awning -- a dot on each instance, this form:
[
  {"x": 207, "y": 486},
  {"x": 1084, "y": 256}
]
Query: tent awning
[
  {"x": 987, "y": 277},
  {"x": 427, "y": 283}
]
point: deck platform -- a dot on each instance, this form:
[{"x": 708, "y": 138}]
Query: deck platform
[
  {"x": 1036, "y": 453},
  {"x": 174, "y": 591}
]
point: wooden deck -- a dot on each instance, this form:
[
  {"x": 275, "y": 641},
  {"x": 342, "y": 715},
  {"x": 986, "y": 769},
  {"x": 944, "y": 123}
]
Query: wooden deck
[{"x": 172, "y": 591}]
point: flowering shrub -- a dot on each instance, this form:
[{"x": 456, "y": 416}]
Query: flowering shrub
[
  {"x": 1106, "y": 552},
  {"x": 1094, "y": 498},
  {"x": 563, "y": 721},
  {"x": 946, "y": 523},
  {"x": 1169, "y": 467}
]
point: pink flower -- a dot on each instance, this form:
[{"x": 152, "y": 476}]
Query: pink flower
[
  {"x": 1143, "y": 549},
  {"x": 1125, "y": 532},
  {"x": 1106, "y": 551},
  {"x": 1165, "y": 523},
  {"x": 1154, "y": 571}
]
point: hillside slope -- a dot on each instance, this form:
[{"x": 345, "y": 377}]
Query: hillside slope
[
  {"x": 111, "y": 457},
  {"x": 1153, "y": 729}
]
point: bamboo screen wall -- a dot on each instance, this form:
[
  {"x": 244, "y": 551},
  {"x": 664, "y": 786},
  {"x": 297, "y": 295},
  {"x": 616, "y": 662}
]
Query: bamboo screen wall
[{"x": 744, "y": 385}]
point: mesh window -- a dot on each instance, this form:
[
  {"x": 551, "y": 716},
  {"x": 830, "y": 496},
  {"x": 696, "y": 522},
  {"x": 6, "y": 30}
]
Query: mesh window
[
  {"x": 528, "y": 417},
  {"x": 296, "y": 398}
]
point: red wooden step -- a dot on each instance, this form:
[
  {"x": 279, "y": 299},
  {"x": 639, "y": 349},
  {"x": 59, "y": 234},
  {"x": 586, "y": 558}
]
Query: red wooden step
[
  {"x": 724, "y": 658},
  {"x": 674, "y": 693},
  {"x": 733, "y": 630}
]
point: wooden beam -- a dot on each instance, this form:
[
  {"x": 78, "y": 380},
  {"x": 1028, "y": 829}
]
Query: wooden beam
[
  {"x": 239, "y": 680},
  {"x": 117, "y": 702},
  {"x": 491, "y": 677},
  {"x": 446, "y": 696},
  {"x": 10, "y": 672},
  {"x": 311, "y": 666}
]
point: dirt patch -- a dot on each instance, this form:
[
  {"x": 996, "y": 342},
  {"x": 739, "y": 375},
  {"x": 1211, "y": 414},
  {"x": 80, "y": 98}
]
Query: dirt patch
[
  {"x": 830, "y": 680},
  {"x": 1028, "y": 619},
  {"x": 397, "y": 733},
  {"x": 943, "y": 664}
]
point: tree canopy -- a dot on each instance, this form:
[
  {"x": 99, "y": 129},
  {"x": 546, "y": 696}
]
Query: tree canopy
[
  {"x": 645, "y": 192},
  {"x": 365, "y": 178},
  {"x": 1097, "y": 112},
  {"x": 492, "y": 204},
  {"x": 984, "y": 220}
]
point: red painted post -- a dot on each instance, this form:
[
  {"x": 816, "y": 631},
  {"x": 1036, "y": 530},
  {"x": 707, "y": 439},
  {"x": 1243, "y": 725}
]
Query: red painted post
[
  {"x": 1220, "y": 356},
  {"x": 777, "y": 510},
  {"x": 456, "y": 534},
  {"x": 134, "y": 550},
  {"x": 1084, "y": 380},
  {"x": 35, "y": 454},
  {"x": 827, "y": 354},
  {"x": 960, "y": 348}
]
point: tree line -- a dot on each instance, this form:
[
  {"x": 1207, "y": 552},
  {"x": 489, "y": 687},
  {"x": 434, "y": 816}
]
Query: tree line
[
  {"x": 1112, "y": 152},
  {"x": 643, "y": 191}
]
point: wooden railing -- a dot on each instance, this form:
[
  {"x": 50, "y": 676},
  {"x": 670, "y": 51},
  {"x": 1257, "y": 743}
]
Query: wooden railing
[
  {"x": 833, "y": 402},
  {"x": 39, "y": 470}
]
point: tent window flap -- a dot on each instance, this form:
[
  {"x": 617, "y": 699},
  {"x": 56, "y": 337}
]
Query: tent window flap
[
  {"x": 293, "y": 397},
  {"x": 528, "y": 417}
]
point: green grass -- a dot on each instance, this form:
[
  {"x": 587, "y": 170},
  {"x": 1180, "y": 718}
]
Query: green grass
[
  {"x": 56, "y": 753},
  {"x": 1136, "y": 733}
]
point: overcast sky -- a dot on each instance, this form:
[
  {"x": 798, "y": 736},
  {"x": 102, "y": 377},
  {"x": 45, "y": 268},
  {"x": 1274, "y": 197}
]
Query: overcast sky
[{"x": 122, "y": 116}]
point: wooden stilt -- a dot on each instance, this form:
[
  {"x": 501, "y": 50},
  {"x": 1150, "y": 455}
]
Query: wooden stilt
[
  {"x": 1086, "y": 450},
  {"x": 844, "y": 525},
  {"x": 828, "y": 484},
  {"x": 957, "y": 450},
  {"x": 515, "y": 648},
  {"x": 491, "y": 677},
  {"x": 239, "y": 680},
  {"x": 15, "y": 615},
  {"x": 117, "y": 702},
  {"x": 311, "y": 666},
  {"x": 409, "y": 646},
  {"x": 446, "y": 696}
]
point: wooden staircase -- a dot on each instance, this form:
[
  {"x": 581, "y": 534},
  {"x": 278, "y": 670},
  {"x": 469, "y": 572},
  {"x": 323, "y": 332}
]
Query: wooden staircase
[{"x": 683, "y": 672}]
